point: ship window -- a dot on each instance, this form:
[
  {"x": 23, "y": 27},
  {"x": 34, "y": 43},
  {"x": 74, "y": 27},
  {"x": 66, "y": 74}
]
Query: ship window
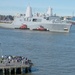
[
  {"x": 27, "y": 19},
  {"x": 24, "y": 19},
  {"x": 36, "y": 20},
  {"x": 20, "y": 20}
]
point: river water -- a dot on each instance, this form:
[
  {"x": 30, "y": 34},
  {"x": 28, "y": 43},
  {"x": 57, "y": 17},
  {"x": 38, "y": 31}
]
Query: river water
[{"x": 52, "y": 53}]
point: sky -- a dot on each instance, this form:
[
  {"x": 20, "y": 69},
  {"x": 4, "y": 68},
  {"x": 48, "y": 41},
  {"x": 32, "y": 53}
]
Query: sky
[{"x": 60, "y": 7}]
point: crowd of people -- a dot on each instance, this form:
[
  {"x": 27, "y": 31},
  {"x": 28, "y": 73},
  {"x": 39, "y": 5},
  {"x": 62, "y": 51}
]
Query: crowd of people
[{"x": 15, "y": 59}]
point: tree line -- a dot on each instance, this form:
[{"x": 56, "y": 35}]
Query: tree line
[{"x": 6, "y": 17}]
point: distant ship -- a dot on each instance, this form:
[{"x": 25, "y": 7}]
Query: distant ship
[
  {"x": 72, "y": 20},
  {"x": 46, "y": 22}
]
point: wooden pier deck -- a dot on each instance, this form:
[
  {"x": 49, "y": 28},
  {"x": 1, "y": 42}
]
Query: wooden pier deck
[{"x": 13, "y": 66}]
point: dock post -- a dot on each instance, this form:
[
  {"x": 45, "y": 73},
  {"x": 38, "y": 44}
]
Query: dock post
[
  {"x": 9, "y": 71},
  {"x": 29, "y": 69},
  {"x": 15, "y": 71},
  {"x": 26, "y": 70},
  {"x": 3, "y": 71},
  {"x": 21, "y": 70}
]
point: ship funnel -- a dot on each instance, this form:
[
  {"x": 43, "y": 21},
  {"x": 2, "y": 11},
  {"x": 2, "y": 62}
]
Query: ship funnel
[
  {"x": 49, "y": 12},
  {"x": 29, "y": 12}
]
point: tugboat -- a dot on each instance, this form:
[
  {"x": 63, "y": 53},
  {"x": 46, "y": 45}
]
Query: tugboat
[
  {"x": 23, "y": 27},
  {"x": 41, "y": 28}
]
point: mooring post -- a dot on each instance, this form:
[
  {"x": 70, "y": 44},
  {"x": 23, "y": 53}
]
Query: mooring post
[
  {"x": 21, "y": 70},
  {"x": 30, "y": 69},
  {"x": 9, "y": 71},
  {"x": 26, "y": 70},
  {"x": 15, "y": 70},
  {"x": 3, "y": 71}
]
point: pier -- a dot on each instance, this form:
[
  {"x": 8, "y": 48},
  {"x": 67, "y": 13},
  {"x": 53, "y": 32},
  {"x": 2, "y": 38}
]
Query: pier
[{"x": 15, "y": 65}]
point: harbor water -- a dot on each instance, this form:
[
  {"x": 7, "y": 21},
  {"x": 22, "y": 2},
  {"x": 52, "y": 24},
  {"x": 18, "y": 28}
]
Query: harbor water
[{"x": 52, "y": 53}]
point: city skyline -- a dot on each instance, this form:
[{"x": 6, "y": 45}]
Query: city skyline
[{"x": 60, "y": 7}]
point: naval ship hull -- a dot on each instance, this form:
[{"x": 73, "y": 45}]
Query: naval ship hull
[{"x": 54, "y": 27}]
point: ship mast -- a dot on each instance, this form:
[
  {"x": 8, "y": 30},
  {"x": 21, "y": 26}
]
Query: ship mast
[
  {"x": 29, "y": 12},
  {"x": 49, "y": 12}
]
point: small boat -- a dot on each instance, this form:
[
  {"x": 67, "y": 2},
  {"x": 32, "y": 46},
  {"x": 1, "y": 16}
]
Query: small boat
[
  {"x": 23, "y": 27},
  {"x": 40, "y": 28}
]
